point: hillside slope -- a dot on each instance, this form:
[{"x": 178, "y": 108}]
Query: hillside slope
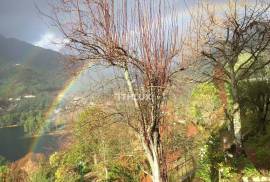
[{"x": 30, "y": 77}]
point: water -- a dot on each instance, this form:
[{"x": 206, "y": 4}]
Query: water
[{"x": 14, "y": 144}]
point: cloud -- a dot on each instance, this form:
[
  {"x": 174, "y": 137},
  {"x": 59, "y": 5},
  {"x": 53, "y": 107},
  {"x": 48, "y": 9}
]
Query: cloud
[
  {"x": 20, "y": 19},
  {"x": 51, "y": 41}
]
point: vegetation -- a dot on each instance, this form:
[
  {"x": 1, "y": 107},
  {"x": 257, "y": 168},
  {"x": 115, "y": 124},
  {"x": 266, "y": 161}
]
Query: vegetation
[{"x": 159, "y": 130}]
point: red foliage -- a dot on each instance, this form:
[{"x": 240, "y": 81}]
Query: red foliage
[{"x": 192, "y": 130}]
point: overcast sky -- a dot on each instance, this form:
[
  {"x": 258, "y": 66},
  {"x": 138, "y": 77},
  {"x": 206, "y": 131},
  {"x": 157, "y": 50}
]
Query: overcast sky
[{"x": 20, "y": 19}]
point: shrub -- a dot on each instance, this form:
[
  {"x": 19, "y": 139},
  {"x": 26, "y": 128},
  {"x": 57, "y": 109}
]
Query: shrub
[
  {"x": 122, "y": 173},
  {"x": 42, "y": 175},
  {"x": 203, "y": 103}
]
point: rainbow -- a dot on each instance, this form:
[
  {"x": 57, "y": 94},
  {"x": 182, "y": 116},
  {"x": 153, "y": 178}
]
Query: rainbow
[{"x": 61, "y": 96}]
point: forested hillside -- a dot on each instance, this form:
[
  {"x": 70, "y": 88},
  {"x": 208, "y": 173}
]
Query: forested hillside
[{"x": 30, "y": 77}]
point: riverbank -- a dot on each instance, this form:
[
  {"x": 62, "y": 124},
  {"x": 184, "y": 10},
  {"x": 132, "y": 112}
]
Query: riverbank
[
  {"x": 9, "y": 126},
  {"x": 51, "y": 133}
]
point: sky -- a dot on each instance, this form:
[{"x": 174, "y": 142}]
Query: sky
[{"x": 21, "y": 19}]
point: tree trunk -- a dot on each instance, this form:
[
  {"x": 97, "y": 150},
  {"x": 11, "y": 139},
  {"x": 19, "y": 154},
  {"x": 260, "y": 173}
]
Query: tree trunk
[
  {"x": 156, "y": 160},
  {"x": 156, "y": 172},
  {"x": 264, "y": 113},
  {"x": 237, "y": 123},
  {"x": 236, "y": 109},
  {"x": 150, "y": 141},
  {"x": 263, "y": 117}
]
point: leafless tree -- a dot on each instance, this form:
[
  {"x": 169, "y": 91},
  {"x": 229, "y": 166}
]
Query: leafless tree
[
  {"x": 142, "y": 39},
  {"x": 236, "y": 42}
]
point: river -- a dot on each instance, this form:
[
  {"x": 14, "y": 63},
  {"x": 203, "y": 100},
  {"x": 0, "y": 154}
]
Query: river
[{"x": 14, "y": 143}]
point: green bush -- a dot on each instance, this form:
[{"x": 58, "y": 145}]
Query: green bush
[
  {"x": 254, "y": 96},
  {"x": 204, "y": 102},
  {"x": 40, "y": 176},
  {"x": 119, "y": 172},
  {"x": 210, "y": 157},
  {"x": 226, "y": 172},
  {"x": 263, "y": 156},
  {"x": 249, "y": 168},
  {"x": 261, "y": 146},
  {"x": 250, "y": 171}
]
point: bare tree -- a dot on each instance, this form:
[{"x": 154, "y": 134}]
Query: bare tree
[
  {"x": 142, "y": 39},
  {"x": 236, "y": 43}
]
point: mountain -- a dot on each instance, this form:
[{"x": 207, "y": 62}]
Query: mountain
[
  {"x": 30, "y": 77},
  {"x": 22, "y": 64}
]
